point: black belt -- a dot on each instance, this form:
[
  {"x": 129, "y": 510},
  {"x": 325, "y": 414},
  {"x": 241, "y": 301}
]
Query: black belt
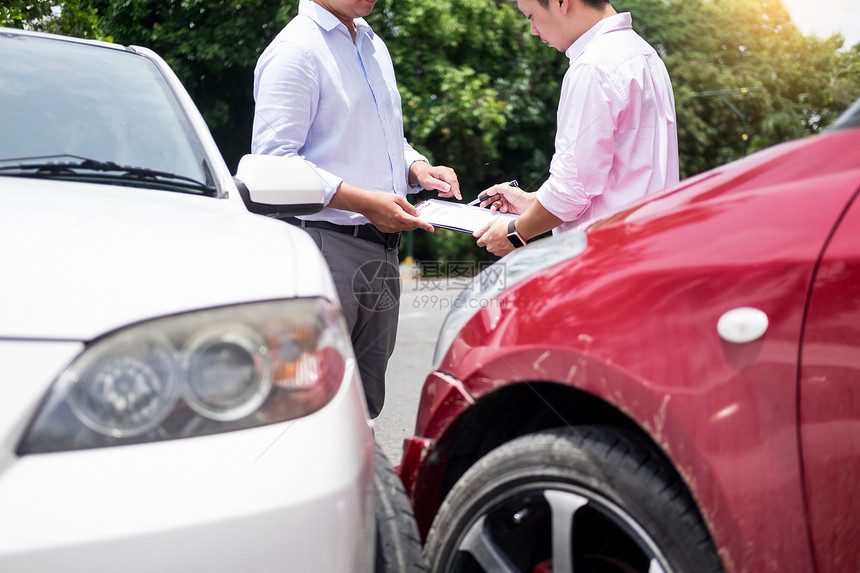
[{"x": 365, "y": 232}]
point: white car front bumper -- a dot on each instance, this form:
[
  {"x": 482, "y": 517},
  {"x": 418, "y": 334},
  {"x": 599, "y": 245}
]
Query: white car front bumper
[{"x": 294, "y": 496}]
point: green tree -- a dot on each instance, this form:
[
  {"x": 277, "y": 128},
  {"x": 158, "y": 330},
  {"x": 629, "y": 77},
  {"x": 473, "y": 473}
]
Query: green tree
[
  {"x": 480, "y": 93},
  {"x": 72, "y": 17},
  {"x": 477, "y": 89},
  {"x": 212, "y": 46},
  {"x": 715, "y": 46},
  {"x": 21, "y": 13}
]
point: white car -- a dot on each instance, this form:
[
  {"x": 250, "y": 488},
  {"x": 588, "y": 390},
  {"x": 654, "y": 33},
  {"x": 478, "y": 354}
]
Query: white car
[{"x": 177, "y": 390}]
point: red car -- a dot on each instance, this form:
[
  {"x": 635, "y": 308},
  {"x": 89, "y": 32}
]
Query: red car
[{"x": 674, "y": 389}]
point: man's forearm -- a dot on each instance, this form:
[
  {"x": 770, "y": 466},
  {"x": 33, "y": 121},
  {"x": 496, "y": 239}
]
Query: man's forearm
[
  {"x": 536, "y": 221},
  {"x": 348, "y": 197}
]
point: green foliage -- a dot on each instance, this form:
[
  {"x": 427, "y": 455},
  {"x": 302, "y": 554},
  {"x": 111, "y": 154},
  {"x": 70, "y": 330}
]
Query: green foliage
[
  {"x": 474, "y": 86},
  {"x": 20, "y": 13},
  {"x": 72, "y": 18},
  {"x": 213, "y": 47},
  {"x": 798, "y": 83},
  {"x": 480, "y": 93}
]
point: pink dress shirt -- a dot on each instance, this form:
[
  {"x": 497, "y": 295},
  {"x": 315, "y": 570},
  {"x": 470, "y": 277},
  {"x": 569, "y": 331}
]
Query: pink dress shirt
[{"x": 617, "y": 139}]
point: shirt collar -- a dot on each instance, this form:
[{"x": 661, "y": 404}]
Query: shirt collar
[
  {"x": 614, "y": 23},
  {"x": 328, "y": 21}
]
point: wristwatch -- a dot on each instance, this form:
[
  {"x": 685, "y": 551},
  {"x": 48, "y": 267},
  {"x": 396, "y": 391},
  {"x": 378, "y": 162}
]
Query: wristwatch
[{"x": 516, "y": 240}]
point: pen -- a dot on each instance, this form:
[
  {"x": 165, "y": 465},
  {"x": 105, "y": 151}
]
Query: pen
[{"x": 481, "y": 198}]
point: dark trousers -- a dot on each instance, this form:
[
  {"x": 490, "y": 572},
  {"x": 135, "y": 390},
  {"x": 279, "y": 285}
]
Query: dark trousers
[{"x": 367, "y": 278}]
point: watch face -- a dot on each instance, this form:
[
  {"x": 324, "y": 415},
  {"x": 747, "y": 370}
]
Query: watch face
[
  {"x": 513, "y": 237},
  {"x": 516, "y": 241}
]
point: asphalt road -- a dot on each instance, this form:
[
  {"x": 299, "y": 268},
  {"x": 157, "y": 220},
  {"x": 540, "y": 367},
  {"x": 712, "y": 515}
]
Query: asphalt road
[{"x": 423, "y": 306}]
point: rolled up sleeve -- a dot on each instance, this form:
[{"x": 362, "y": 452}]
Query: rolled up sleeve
[
  {"x": 584, "y": 148},
  {"x": 411, "y": 156}
]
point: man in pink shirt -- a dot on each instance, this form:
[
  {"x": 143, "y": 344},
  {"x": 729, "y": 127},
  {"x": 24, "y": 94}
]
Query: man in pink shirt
[{"x": 616, "y": 140}]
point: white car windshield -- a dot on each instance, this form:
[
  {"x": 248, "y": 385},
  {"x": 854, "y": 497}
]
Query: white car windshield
[{"x": 90, "y": 113}]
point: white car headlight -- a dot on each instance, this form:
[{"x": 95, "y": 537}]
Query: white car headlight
[
  {"x": 226, "y": 371},
  {"x": 500, "y": 276},
  {"x": 193, "y": 374}
]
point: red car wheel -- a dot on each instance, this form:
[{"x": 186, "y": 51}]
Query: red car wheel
[{"x": 583, "y": 499}]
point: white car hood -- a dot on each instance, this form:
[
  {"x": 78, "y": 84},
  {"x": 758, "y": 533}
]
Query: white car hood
[{"x": 79, "y": 260}]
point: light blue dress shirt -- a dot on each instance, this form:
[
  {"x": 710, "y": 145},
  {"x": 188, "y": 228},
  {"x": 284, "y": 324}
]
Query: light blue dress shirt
[{"x": 335, "y": 104}]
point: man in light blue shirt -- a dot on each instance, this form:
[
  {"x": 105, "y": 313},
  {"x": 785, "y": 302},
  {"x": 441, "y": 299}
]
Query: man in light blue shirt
[{"x": 325, "y": 90}]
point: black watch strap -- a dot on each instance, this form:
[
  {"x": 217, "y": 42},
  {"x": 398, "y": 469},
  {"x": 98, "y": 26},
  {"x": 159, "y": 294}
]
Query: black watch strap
[{"x": 513, "y": 236}]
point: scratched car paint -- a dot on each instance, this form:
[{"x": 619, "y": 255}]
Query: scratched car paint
[{"x": 671, "y": 388}]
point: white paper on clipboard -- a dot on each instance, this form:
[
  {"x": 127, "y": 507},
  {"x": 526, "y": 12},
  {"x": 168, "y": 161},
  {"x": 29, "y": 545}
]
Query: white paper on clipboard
[{"x": 457, "y": 216}]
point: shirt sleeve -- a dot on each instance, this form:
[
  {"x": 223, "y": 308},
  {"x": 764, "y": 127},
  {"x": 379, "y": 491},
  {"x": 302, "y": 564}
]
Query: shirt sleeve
[
  {"x": 584, "y": 145},
  {"x": 286, "y": 92},
  {"x": 411, "y": 157}
]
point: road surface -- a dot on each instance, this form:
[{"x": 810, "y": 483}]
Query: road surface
[{"x": 424, "y": 303}]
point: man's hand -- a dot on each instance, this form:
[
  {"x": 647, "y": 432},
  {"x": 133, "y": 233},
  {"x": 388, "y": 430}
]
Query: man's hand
[
  {"x": 494, "y": 237},
  {"x": 535, "y": 221},
  {"x": 435, "y": 178},
  {"x": 391, "y": 213},
  {"x": 386, "y": 211},
  {"x": 507, "y": 198}
]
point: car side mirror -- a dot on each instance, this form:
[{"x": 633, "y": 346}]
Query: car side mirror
[{"x": 279, "y": 186}]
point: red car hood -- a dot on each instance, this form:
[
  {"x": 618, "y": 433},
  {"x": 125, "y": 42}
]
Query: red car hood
[{"x": 808, "y": 159}]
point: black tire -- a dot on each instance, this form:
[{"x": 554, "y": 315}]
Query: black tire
[
  {"x": 398, "y": 545},
  {"x": 589, "y": 499}
]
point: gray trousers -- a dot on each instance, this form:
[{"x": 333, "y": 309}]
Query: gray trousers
[{"x": 367, "y": 278}]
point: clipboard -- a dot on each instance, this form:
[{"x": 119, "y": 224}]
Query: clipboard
[{"x": 459, "y": 217}]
